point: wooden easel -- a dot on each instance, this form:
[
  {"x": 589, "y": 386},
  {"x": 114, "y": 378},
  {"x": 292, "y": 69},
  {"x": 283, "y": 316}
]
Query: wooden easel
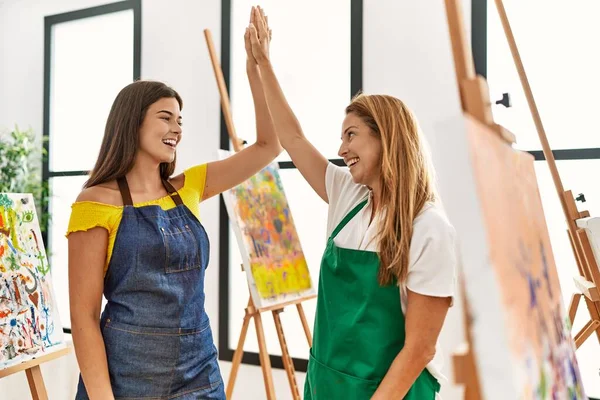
[
  {"x": 588, "y": 279},
  {"x": 475, "y": 101},
  {"x": 251, "y": 311},
  {"x": 34, "y": 373}
]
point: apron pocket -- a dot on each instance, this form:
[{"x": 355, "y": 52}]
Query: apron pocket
[
  {"x": 141, "y": 360},
  {"x": 325, "y": 383},
  {"x": 182, "y": 248},
  {"x": 198, "y": 368}
]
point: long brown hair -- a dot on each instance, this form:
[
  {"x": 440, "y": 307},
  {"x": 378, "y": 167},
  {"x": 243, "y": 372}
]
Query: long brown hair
[
  {"x": 121, "y": 135},
  {"x": 405, "y": 178}
]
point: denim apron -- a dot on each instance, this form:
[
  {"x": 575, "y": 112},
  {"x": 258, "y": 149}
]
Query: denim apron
[
  {"x": 157, "y": 335},
  {"x": 359, "y": 328}
]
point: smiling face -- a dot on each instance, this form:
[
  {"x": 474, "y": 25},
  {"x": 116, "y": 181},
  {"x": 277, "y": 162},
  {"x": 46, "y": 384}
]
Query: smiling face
[
  {"x": 160, "y": 131},
  {"x": 361, "y": 150},
  {"x": 383, "y": 135}
]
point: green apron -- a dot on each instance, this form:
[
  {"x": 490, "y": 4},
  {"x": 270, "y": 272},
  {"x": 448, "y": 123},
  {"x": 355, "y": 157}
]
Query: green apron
[{"x": 359, "y": 328}]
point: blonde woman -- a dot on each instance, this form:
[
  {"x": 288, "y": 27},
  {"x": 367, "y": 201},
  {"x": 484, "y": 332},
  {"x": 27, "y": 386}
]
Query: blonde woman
[{"x": 388, "y": 271}]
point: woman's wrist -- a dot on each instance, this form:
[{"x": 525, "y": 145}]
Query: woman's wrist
[
  {"x": 251, "y": 65},
  {"x": 264, "y": 63}
]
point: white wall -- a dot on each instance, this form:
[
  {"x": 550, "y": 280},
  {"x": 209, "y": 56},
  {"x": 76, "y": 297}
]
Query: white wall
[{"x": 406, "y": 54}]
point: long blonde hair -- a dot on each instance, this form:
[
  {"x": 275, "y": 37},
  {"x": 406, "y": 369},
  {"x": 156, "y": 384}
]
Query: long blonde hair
[{"x": 406, "y": 178}]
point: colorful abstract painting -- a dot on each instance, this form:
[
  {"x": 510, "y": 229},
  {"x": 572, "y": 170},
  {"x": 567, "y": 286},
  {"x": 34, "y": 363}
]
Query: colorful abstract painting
[
  {"x": 275, "y": 266},
  {"x": 29, "y": 321},
  {"x": 542, "y": 351}
]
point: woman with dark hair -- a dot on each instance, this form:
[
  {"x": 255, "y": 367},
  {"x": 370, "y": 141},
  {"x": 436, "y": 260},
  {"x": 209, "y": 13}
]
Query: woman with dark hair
[{"x": 135, "y": 236}]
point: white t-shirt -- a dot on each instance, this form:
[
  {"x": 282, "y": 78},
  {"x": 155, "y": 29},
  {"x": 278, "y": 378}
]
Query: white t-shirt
[{"x": 433, "y": 255}]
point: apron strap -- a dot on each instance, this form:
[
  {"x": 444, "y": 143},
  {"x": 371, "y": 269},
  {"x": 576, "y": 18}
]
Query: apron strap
[
  {"x": 125, "y": 193},
  {"x": 172, "y": 192},
  {"x": 348, "y": 217}
]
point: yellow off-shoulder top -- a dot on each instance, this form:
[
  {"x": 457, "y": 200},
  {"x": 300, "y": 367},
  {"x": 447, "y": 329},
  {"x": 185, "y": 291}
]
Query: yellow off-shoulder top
[{"x": 86, "y": 215}]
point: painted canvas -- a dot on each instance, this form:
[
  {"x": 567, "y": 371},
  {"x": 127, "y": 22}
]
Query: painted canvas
[
  {"x": 260, "y": 215},
  {"x": 29, "y": 321},
  {"x": 538, "y": 333}
]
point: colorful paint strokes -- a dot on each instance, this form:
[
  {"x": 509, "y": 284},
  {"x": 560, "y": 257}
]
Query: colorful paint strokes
[
  {"x": 29, "y": 322},
  {"x": 261, "y": 217},
  {"x": 544, "y": 364}
]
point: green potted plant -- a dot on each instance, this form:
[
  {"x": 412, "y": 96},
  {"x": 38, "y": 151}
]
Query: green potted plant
[{"x": 21, "y": 158}]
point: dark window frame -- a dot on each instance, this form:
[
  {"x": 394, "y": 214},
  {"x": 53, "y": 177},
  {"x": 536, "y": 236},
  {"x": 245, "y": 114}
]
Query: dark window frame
[
  {"x": 49, "y": 22},
  {"x": 479, "y": 46},
  {"x": 356, "y": 83}
]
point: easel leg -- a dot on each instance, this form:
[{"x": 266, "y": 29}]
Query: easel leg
[
  {"x": 573, "y": 307},
  {"x": 239, "y": 352},
  {"x": 594, "y": 310},
  {"x": 36, "y": 383},
  {"x": 265, "y": 361},
  {"x": 585, "y": 333},
  {"x": 464, "y": 374},
  {"x": 304, "y": 324},
  {"x": 288, "y": 364}
]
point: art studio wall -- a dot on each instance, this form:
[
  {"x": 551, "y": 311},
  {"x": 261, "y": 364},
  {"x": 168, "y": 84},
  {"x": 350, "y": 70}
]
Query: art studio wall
[{"x": 406, "y": 54}]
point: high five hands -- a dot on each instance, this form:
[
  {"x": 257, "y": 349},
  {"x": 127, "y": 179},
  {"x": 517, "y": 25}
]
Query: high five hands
[{"x": 258, "y": 37}]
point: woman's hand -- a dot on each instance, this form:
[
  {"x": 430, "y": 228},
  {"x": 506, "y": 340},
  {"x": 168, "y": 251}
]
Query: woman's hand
[
  {"x": 249, "y": 56},
  {"x": 258, "y": 36},
  {"x": 225, "y": 174}
]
